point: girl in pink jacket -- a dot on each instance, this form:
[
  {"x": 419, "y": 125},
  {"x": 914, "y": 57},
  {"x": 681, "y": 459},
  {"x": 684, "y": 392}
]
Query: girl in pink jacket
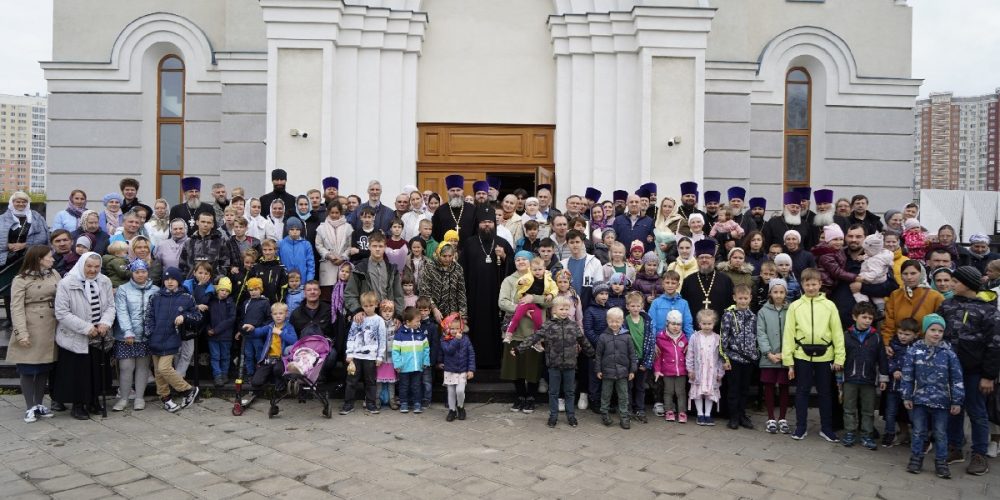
[{"x": 670, "y": 363}]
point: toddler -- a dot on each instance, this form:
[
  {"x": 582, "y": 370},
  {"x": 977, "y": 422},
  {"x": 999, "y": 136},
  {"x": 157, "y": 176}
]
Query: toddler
[
  {"x": 303, "y": 359},
  {"x": 537, "y": 282},
  {"x": 783, "y": 263},
  {"x": 364, "y": 353},
  {"x": 875, "y": 268},
  {"x": 459, "y": 362},
  {"x": 932, "y": 389},
  {"x": 115, "y": 264},
  {"x": 671, "y": 366},
  {"x": 616, "y": 366},
  {"x": 915, "y": 239},
  {"x": 706, "y": 365},
  {"x": 616, "y": 294},
  {"x": 221, "y": 321},
  {"x": 725, "y": 228},
  {"x": 770, "y": 320},
  {"x": 385, "y": 375},
  {"x": 635, "y": 252},
  {"x": 295, "y": 292},
  {"x": 900, "y": 344},
  {"x": 411, "y": 353}
]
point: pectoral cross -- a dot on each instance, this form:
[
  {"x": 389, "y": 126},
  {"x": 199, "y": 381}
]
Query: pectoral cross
[{"x": 707, "y": 302}]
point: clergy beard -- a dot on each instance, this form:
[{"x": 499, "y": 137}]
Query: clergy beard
[
  {"x": 279, "y": 189},
  {"x": 823, "y": 219},
  {"x": 707, "y": 269},
  {"x": 455, "y": 201},
  {"x": 792, "y": 220},
  {"x": 485, "y": 234},
  {"x": 193, "y": 204}
]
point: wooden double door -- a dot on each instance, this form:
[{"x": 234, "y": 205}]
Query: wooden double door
[{"x": 521, "y": 156}]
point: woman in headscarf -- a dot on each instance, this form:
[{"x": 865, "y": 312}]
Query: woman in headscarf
[
  {"x": 158, "y": 227},
  {"x": 524, "y": 369},
  {"x": 32, "y": 344},
  {"x": 915, "y": 299},
  {"x": 69, "y": 218},
  {"x": 893, "y": 222},
  {"x": 258, "y": 225},
  {"x": 20, "y": 227},
  {"x": 444, "y": 282},
  {"x": 111, "y": 217},
  {"x": 90, "y": 226},
  {"x": 169, "y": 250},
  {"x": 668, "y": 220},
  {"x": 303, "y": 212},
  {"x": 85, "y": 310},
  {"x": 508, "y": 217}
]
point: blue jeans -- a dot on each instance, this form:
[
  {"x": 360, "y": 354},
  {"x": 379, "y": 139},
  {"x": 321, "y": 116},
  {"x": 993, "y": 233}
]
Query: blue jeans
[
  {"x": 428, "y": 381},
  {"x": 565, "y": 380},
  {"x": 936, "y": 420},
  {"x": 252, "y": 351},
  {"x": 410, "y": 388},
  {"x": 808, "y": 374},
  {"x": 975, "y": 406},
  {"x": 893, "y": 404},
  {"x": 218, "y": 350}
]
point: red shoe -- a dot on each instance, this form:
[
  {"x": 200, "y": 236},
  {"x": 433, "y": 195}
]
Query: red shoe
[
  {"x": 682, "y": 417},
  {"x": 670, "y": 416}
]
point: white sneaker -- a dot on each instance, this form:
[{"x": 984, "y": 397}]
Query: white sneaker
[
  {"x": 43, "y": 411},
  {"x": 584, "y": 403},
  {"x": 658, "y": 409},
  {"x": 120, "y": 405},
  {"x": 139, "y": 404},
  {"x": 171, "y": 406},
  {"x": 543, "y": 386},
  {"x": 992, "y": 449},
  {"x": 562, "y": 405},
  {"x": 29, "y": 416}
]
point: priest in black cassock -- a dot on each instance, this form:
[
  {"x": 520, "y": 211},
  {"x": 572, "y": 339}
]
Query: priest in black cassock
[
  {"x": 456, "y": 214},
  {"x": 486, "y": 259},
  {"x": 192, "y": 206},
  {"x": 708, "y": 288},
  {"x": 791, "y": 218}
]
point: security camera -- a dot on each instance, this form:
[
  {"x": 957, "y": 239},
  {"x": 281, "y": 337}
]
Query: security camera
[
  {"x": 305, "y": 134},
  {"x": 674, "y": 141}
]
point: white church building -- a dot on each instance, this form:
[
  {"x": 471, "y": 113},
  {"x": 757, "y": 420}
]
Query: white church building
[{"x": 766, "y": 94}]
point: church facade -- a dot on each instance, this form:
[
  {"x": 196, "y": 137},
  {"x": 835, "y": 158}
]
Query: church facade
[{"x": 768, "y": 94}]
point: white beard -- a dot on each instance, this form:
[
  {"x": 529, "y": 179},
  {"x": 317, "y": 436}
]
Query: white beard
[
  {"x": 792, "y": 220},
  {"x": 823, "y": 219},
  {"x": 193, "y": 204},
  {"x": 456, "y": 202}
]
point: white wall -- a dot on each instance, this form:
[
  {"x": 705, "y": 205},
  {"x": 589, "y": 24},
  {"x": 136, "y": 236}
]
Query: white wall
[
  {"x": 300, "y": 106},
  {"x": 487, "y": 61}
]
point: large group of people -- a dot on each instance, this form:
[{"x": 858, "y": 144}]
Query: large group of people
[{"x": 697, "y": 300}]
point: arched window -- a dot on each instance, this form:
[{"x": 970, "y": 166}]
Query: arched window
[
  {"x": 170, "y": 128},
  {"x": 798, "y": 118}
]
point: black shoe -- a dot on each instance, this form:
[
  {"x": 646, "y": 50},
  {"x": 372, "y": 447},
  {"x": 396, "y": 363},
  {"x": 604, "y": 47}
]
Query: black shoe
[
  {"x": 595, "y": 408},
  {"x": 518, "y": 404},
  {"x": 57, "y": 406},
  {"x": 79, "y": 412},
  {"x": 371, "y": 408},
  {"x": 451, "y": 416},
  {"x": 641, "y": 416},
  {"x": 347, "y": 408},
  {"x": 529, "y": 406},
  {"x": 941, "y": 469},
  {"x": 745, "y": 422},
  {"x": 552, "y": 421},
  {"x": 572, "y": 421},
  {"x": 606, "y": 419},
  {"x": 461, "y": 413},
  {"x": 916, "y": 463},
  {"x": 624, "y": 422},
  {"x": 733, "y": 424}
]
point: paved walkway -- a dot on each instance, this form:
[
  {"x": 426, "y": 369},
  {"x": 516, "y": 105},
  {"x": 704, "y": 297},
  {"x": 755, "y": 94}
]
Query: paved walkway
[{"x": 205, "y": 452}]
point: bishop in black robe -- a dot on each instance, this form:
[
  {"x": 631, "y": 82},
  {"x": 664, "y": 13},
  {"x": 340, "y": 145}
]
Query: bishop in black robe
[{"x": 486, "y": 259}]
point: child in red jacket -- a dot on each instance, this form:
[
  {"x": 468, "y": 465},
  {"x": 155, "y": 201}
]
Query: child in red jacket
[{"x": 670, "y": 364}]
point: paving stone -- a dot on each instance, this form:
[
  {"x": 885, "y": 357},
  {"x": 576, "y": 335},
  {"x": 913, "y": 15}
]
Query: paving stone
[
  {"x": 272, "y": 485},
  {"x": 128, "y": 475},
  {"x": 144, "y": 486},
  {"x": 64, "y": 483},
  {"x": 324, "y": 477},
  {"x": 219, "y": 491},
  {"x": 88, "y": 492},
  {"x": 48, "y": 472}
]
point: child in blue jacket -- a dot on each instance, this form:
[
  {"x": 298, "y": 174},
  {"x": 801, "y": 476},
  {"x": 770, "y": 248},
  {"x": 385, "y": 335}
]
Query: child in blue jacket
[
  {"x": 253, "y": 313},
  {"x": 459, "y": 361},
  {"x": 295, "y": 252},
  {"x": 276, "y": 337},
  {"x": 411, "y": 353},
  {"x": 221, "y": 322}
]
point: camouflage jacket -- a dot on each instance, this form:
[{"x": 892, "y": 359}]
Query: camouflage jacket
[{"x": 932, "y": 376}]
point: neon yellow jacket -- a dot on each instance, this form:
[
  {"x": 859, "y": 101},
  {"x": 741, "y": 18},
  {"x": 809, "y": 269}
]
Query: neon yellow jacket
[{"x": 813, "y": 320}]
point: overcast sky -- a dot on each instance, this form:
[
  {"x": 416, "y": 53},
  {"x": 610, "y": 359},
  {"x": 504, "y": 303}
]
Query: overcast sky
[{"x": 954, "y": 45}]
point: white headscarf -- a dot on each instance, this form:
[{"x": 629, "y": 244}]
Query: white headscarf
[
  {"x": 78, "y": 273},
  {"x": 26, "y": 213}
]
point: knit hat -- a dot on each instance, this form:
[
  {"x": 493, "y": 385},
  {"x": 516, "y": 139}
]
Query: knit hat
[
  {"x": 873, "y": 244},
  {"x": 832, "y": 232},
  {"x": 450, "y": 234},
  {"x": 608, "y": 230},
  {"x": 224, "y": 284},
  {"x": 255, "y": 284},
  {"x": 83, "y": 240},
  {"x": 111, "y": 196},
  {"x": 173, "y": 273},
  {"x": 636, "y": 245},
  {"x": 969, "y": 276},
  {"x": 933, "y": 319},
  {"x": 294, "y": 223},
  {"x": 650, "y": 258},
  {"x": 138, "y": 265},
  {"x": 783, "y": 258},
  {"x": 734, "y": 250},
  {"x": 618, "y": 279},
  {"x": 979, "y": 238},
  {"x": 796, "y": 234},
  {"x": 524, "y": 254},
  {"x": 888, "y": 214},
  {"x": 911, "y": 223},
  {"x": 776, "y": 282},
  {"x": 601, "y": 288},
  {"x": 675, "y": 316}
]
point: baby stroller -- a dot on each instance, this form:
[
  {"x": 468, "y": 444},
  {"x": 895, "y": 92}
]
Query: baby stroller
[{"x": 303, "y": 366}]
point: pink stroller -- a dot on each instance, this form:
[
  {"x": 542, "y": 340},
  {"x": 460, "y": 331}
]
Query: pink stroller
[{"x": 303, "y": 367}]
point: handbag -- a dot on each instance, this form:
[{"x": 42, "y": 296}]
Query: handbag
[{"x": 187, "y": 333}]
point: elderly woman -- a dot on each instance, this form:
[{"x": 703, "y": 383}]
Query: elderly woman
[
  {"x": 32, "y": 345},
  {"x": 158, "y": 226},
  {"x": 20, "y": 227},
  {"x": 168, "y": 252},
  {"x": 85, "y": 310},
  {"x": 69, "y": 218},
  {"x": 444, "y": 282},
  {"x": 111, "y": 217},
  {"x": 131, "y": 349},
  {"x": 525, "y": 368},
  {"x": 508, "y": 217},
  {"x": 90, "y": 226}
]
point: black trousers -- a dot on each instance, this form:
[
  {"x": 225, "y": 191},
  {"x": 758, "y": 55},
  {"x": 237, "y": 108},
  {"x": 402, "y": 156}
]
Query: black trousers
[
  {"x": 365, "y": 372},
  {"x": 269, "y": 370},
  {"x": 738, "y": 388}
]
